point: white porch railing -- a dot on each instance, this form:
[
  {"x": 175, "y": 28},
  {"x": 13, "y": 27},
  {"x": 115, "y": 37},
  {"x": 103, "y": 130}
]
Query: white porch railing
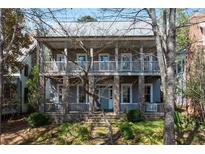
[
  {"x": 80, "y": 107},
  {"x": 101, "y": 66},
  {"x": 129, "y": 106},
  {"x": 83, "y": 107},
  {"x": 73, "y": 107},
  {"x": 153, "y": 107}
]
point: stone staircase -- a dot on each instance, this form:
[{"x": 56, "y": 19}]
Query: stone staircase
[
  {"x": 97, "y": 118},
  {"x": 153, "y": 115}
]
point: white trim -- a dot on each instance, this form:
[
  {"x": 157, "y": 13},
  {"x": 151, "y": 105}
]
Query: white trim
[
  {"x": 121, "y": 66},
  {"x": 103, "y": 54},
  {"x": 151, "y": 93},
  {"x": 77, "y": 94},
  {"x": 122, "y": 85}
]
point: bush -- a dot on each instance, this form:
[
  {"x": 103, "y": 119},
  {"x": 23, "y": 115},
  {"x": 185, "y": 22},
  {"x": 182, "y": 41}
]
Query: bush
[
  {"x": 37, "y": 119},
  {"x": 83, "y": 133},
  {"x": 134, "y": 116},
  {"x": 126, "y": 130}
]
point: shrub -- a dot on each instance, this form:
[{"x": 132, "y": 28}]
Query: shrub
[
  {"x": 134, "y": 116},
  {"x": 37, "y": 119},
  {"x": 126, "y": 130},
  {"x": 83, "y": 133}
]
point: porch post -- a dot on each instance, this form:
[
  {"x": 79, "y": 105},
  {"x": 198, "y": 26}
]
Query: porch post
[
  {"x": 91, "y": 59},
  {"x": 116, "y": 90},
  {"x": 142, "y": 58},
  {"x": 42, "y": 107},
  {"x": 40, "y": 62},
  {"x": 91, "y": 93},
  {"x": 66, "y": 59},
  {"x": 116, "y": 57},
  {"x": 141, "y": 91},
  {"x": 66, "y": 91}
]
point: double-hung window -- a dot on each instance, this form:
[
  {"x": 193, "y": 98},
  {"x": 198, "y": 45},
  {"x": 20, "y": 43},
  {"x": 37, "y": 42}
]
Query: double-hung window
[
  {"x": 81, "y": 94},
  {"x": 126, "y": 93},
  {"x": 126, "y": 61},
  {"x": 104, "y": 62},
  {"x": 81, "y": 60}
]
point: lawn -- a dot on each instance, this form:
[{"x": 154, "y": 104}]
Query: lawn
[{"x": 128, "y": 133}]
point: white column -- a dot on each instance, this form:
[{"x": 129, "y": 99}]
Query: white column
[
  {"x": 116, "y": 57},
  {"x": 142, "y": 58},
  {"x": 66, "y": 58},
  {"x": 91, "y": 58}
]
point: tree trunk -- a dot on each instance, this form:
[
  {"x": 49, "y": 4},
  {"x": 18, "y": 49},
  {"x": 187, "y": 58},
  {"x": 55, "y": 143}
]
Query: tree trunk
[
  {"x": 1, "y": 68},
  {"x": 165, "y": 38}
]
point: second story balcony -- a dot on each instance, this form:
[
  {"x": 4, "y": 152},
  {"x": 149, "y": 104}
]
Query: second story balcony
[{"x": 102, "y": 67}]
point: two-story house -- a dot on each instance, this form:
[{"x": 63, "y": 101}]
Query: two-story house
[
  {"x": 15, "y": 94},
  {"x": 90, "y": 66}
]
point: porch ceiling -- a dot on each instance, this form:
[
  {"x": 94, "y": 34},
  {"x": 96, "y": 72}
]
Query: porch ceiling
[{"x": 109, "y": 42}]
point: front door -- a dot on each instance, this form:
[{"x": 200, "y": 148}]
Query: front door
[{"x": 106, "y": 98}]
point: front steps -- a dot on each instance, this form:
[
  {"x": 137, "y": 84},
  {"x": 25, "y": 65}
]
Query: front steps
[
  {"x": 97, "y": 119},
  {"x": 153, "y": 115}
]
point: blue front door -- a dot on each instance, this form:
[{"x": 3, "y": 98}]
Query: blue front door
[{"x": 106, "y": 98}]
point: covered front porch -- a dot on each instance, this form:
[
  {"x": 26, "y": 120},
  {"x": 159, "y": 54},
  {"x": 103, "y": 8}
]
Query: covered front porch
[{"x": 115, "y": 94}]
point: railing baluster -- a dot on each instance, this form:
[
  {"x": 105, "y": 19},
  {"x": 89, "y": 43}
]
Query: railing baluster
[{"x": 99, "y": 66}]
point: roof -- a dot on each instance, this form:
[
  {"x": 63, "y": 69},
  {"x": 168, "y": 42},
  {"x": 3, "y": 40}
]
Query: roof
[{"x": 101, "y": 29}]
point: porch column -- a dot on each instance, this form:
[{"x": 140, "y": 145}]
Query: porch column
[
  {"x": 41, "y": 103},
  {"x": 141, "y": 91},
  {"x": 40, "y": 62},
  {"x": 116, "y": 90},
  {"x": 66, "y": 59},
  {"x": 142, "y": 58},
  {"x": 91, "y": 59},
  {"x": 65, "y": 94},
  {"x": 91, "y": 93},
  {"x": 116, "y": 57}
]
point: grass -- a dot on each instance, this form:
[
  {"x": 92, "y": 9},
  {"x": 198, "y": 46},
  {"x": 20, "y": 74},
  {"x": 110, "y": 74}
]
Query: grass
[
  {"x": 66, "y": 133},
  {"x": 146, "y": 132}
]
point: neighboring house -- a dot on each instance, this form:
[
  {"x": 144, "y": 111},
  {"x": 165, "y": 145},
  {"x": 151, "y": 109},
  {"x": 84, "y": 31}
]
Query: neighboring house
[
  {"x": 118, "y": 58},
  {"x": 197, "y": 38},
  {"x": 15, "y": 89},
  {"x": 185, "y": 59}
]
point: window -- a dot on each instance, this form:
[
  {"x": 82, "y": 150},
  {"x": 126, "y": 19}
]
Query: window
[
  {"x": 126, "y": 61},
  {"x": 81, "y": 59},
  {"x": 180, "y": 66},
  {"x": 126, "y": 93},
  {"x": 81, "y": 94},
  {"x": 60, "y": 93},
  {"x": 104, "y": 61},
  {"x": 60, "y": 57},
  {"x": 148, "y": 93},
  {"x": 26, "y": 70}
]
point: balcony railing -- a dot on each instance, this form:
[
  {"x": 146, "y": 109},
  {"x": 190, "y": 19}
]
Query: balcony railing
[{"x": 101, "y": 66}]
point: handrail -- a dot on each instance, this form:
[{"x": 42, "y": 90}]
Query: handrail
[{"x": 102, "y": 66}]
